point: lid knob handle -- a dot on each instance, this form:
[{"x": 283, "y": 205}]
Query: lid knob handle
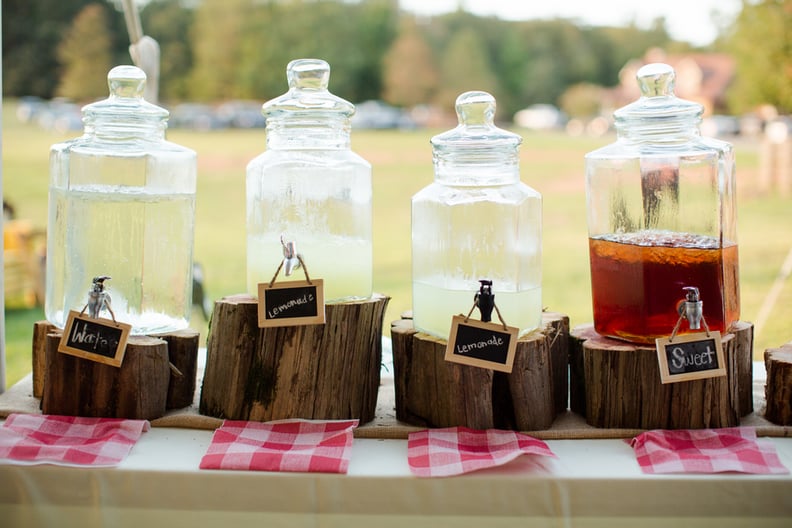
[
  {"x": 126, "y": 81},
  {"x": 475, "y": 108},
  {"x": 308, "y": 74},
  {"x": 656, "y": 80}
]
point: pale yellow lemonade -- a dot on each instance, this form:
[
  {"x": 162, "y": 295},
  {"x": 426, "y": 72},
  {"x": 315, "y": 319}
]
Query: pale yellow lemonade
[
  {"x": 496, "y": 236},
  {"x": 343, "y": 263},
  {"x": 435, "y": 306}
]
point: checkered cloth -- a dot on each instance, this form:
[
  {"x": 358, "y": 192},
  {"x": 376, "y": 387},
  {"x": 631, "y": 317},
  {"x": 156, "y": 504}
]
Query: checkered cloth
[
  {"x": 68, "y": 440},
  {"x": 284, "y": 445},
  {"x": 706, "y": 451},
  {"x": 458, "y": 450}
]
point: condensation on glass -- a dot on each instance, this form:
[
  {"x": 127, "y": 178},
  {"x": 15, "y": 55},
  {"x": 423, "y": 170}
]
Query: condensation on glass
[
  {"x": 122, "y": 205},
  {"x": 661, "y": 217},
  {"x": 476, "y": 221},
  {"x": 310, "y": 188}
]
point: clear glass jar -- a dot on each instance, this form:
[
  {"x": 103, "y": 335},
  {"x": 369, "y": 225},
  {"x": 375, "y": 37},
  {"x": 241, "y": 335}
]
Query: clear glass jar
[
  {"x": 476, "y": 221},
  {"x": 310, "y": 187},
  {"x": 122, "y": 204},
  {"x": 661, "y": 217}
]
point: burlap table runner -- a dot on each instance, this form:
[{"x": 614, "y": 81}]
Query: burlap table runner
[{"x": 19, "y": 399}]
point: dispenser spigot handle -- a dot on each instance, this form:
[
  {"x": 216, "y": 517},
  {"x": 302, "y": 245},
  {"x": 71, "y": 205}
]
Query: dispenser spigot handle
[
  {"x": 485, "y": 300},
  {"x": 692, "y": 308}
]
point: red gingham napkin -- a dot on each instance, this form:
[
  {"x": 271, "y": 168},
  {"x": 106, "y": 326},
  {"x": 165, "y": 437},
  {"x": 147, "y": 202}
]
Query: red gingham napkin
[
  {"x": 706, "y": 451},
  {"x": 458, "y": 450},
  {"x": 286, "y": 445},
  {"x": 68, "y": 440}
]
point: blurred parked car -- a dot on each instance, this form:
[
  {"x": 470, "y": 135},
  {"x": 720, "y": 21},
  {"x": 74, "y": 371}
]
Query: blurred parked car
[
  {"x": 751, "y": 125},
  {"x": 60, "y": 115},
  {"x": 380, "y": 115},
  {"x": 720, "y": 126},
  {"x": 241, "y": 114},
  {"x": 540, "y": 117},
  {"x": 29, "y": 108},
  {"x": 195, "y": 116}
]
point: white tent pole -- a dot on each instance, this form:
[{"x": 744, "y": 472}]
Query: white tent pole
[
  {"x": 132, "y": 21},
  {"x": 144, "y": 50},
  {"x": 2, "y": 262}
]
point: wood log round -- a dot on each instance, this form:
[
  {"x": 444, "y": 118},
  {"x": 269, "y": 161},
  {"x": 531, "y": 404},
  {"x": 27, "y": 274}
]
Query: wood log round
[
  {"x": 616, "y": 384},
  {"x": 183, "y": 357},
  {"x": 329, "y": 371},
  {"x": 778, "y": 389},
  {"x": 137, "y": 389},
  {"x": 40, "y": 331},
  {"x": 182, "y": 353},
  {"x": 432, "y": 392},
  {"x": 739, "y": 356}
]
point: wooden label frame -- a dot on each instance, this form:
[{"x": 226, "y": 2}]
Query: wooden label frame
[
  {"x": 291, "y": 303},
  {"x": 97, "y": 339},
  {"x": 485, "y": 345},
  {"x": 680, "y": 359}
]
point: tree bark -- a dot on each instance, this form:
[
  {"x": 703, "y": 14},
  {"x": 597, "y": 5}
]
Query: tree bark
[
  {"x": 432, "y": 392},
  {"x": 138, "y": 389},
  {"x": 778, "y": 390},
  {"x": 183, "y": 357},
  {"x": 40, "y": 331},
  {"x": 616, "y": 384},
  {"x": 329, "y": 371}
]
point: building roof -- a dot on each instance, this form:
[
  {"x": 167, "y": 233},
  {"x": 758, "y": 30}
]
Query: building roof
[{"x": 701, "y": 77}]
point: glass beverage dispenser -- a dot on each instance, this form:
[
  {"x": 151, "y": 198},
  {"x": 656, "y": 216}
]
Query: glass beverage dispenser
[
  {"x": 476, "y": 221},
  {"x": 122, "y": 205},
  {"x": 309, "y": 188},
  {"x": 661, "y": 217}
]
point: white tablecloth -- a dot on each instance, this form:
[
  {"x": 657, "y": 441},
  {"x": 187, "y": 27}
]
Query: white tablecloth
[{"x": 591, "y": 483}]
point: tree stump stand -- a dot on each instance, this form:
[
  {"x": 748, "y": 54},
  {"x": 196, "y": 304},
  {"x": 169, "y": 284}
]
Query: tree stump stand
[
  {"x": 778, "y": 389},
  {"x": 138, "y": 389},
  {"x": 181, "y": 358},
  {"x": 40, "y": 331},
  {"x": 616, "y": 384},
  {"x": 432, "y": 392},
  {"x": 326, "y": 372}
]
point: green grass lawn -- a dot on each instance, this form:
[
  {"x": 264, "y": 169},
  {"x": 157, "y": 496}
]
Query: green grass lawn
[{"x": 402, "y": 161}]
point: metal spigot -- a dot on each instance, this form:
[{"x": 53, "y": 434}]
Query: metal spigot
[
  {"x": 291, "y": 259},
  {"x": 692, "y": 308},
  {"x": 485, "y": 300},
  {"x": 98, "y": 298}
]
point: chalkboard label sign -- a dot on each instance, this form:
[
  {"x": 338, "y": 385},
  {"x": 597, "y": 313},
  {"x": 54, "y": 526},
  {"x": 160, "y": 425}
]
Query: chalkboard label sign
[
  {"x": 485, "y": 345},
  {"x": 98, "y": 339},
  {"x": 291, "y": 303},
  {"x": 690, "y": 357}
]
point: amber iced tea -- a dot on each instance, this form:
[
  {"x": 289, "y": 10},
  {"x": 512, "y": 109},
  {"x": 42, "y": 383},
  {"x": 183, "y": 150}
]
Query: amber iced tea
[{"x": 637, "y": 281}]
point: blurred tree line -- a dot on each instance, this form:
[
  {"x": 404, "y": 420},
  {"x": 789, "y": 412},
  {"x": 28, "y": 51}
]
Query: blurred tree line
[{"x": 222, "y": 49}]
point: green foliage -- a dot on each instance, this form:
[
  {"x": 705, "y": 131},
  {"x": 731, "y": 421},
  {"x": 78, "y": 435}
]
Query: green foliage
[
  {"x": 465, "y": 66},
  {"x": 32, "y": 31},
  {"x": 216, "y": 41},
  {"x": 409, "y": 71},
  {"x": 18, "y": 340},
  {"x": 761, "y": 42},
  {"x": 262, "y": 37},
  {"x": 167, "y": 22},
  {"x": 219, "y": 49},
  {"x": 85, "y": 56},
  {"x": 535, "y": 61},
  {"x": 582, "y": 100}
]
